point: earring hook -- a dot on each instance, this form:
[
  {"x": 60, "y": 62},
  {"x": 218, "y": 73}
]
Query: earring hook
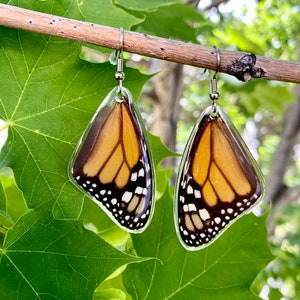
[
  {"x": 218, "y": 61},
  {"x": 214, "y": 95},
  {"x": 121, "y": 40},
  {"x": 119, "y": 75}
]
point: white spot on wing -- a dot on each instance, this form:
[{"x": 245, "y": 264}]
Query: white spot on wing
[
  {"x": 141, "y": 173},
  {"x": 197, "y": 194},
  {"x": 189, "y": 190},
  {"x": 138, "y": 190},
  {"x": 127, "y": 196},
  {"x": 218, "y": 220},
  {"x": 134, "y": 176},
  {"x": 192, "y": 207},
  {"x": 204, "y": 214}
]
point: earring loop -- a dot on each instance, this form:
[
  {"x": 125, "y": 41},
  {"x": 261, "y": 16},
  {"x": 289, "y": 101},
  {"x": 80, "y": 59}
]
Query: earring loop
[
  {"x": 119, "y": 75},
  {"x": 214, "y": 95},
  {"x": 121, "y": 40},
  {"x": 218, "y": 61}
]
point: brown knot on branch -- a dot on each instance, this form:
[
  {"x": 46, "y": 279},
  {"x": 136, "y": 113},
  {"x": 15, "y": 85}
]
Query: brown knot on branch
[{"x": 244, "y": 68}]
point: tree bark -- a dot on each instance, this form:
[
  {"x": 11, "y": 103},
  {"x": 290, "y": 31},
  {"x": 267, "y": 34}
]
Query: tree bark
[
  {"x": 276, "y": 190},
  {"x": 168, "y": 90},
  {"x": 281, "y": 159}
]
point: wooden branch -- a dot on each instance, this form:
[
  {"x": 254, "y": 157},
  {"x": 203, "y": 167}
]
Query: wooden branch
[{"x": 232, "y": 62}]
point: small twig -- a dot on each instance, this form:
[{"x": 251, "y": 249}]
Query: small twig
[
  {"x": 215, "y": 4},
  {"x": 151, "y": 46}
]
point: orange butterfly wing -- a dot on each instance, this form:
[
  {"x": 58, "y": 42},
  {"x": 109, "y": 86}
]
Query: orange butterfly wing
[
  {"x": 114, "y": 166},
  {"x": 219, "y": 180}
]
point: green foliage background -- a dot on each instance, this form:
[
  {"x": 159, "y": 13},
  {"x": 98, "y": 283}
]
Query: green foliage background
[{"x": 55, "y": 242}]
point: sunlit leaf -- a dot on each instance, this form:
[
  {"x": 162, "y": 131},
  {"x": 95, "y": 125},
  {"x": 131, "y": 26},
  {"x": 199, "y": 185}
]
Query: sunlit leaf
[
  {"x": 11, "y": 199},
  {"x": 144, "y": 5},
  {"x": 3, "y": 207},
  {"x": 110, "y": 294},
  {"x": 106, "y": 13},
  {"x": 172, "y": 21},
  {"x": 96, "y": 220},
  {"x": 159, "y": 150},
  {"x": 112, "y": 287}
]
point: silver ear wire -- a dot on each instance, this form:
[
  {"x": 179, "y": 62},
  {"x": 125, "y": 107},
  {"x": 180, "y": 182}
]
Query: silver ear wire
[
  {"x": 119, "y": 75},
  {"x": 214, "y": 95},
  {"x": 121, "y": 39},
  {"x": 218, "y": 61}
]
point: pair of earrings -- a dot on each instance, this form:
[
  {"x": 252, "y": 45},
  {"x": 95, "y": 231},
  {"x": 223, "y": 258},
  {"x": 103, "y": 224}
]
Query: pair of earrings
[{"x": 218, "y": 177}]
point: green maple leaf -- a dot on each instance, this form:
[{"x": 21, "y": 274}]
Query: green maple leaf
[
  {"x": 224, "y": 270},
  {"x": 45, "y": 258}
]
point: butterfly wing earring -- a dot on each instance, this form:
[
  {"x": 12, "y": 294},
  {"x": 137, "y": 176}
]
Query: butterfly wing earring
[
  {"x": 218, "y": 181},
  {"x": 112, "y": 162}
]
